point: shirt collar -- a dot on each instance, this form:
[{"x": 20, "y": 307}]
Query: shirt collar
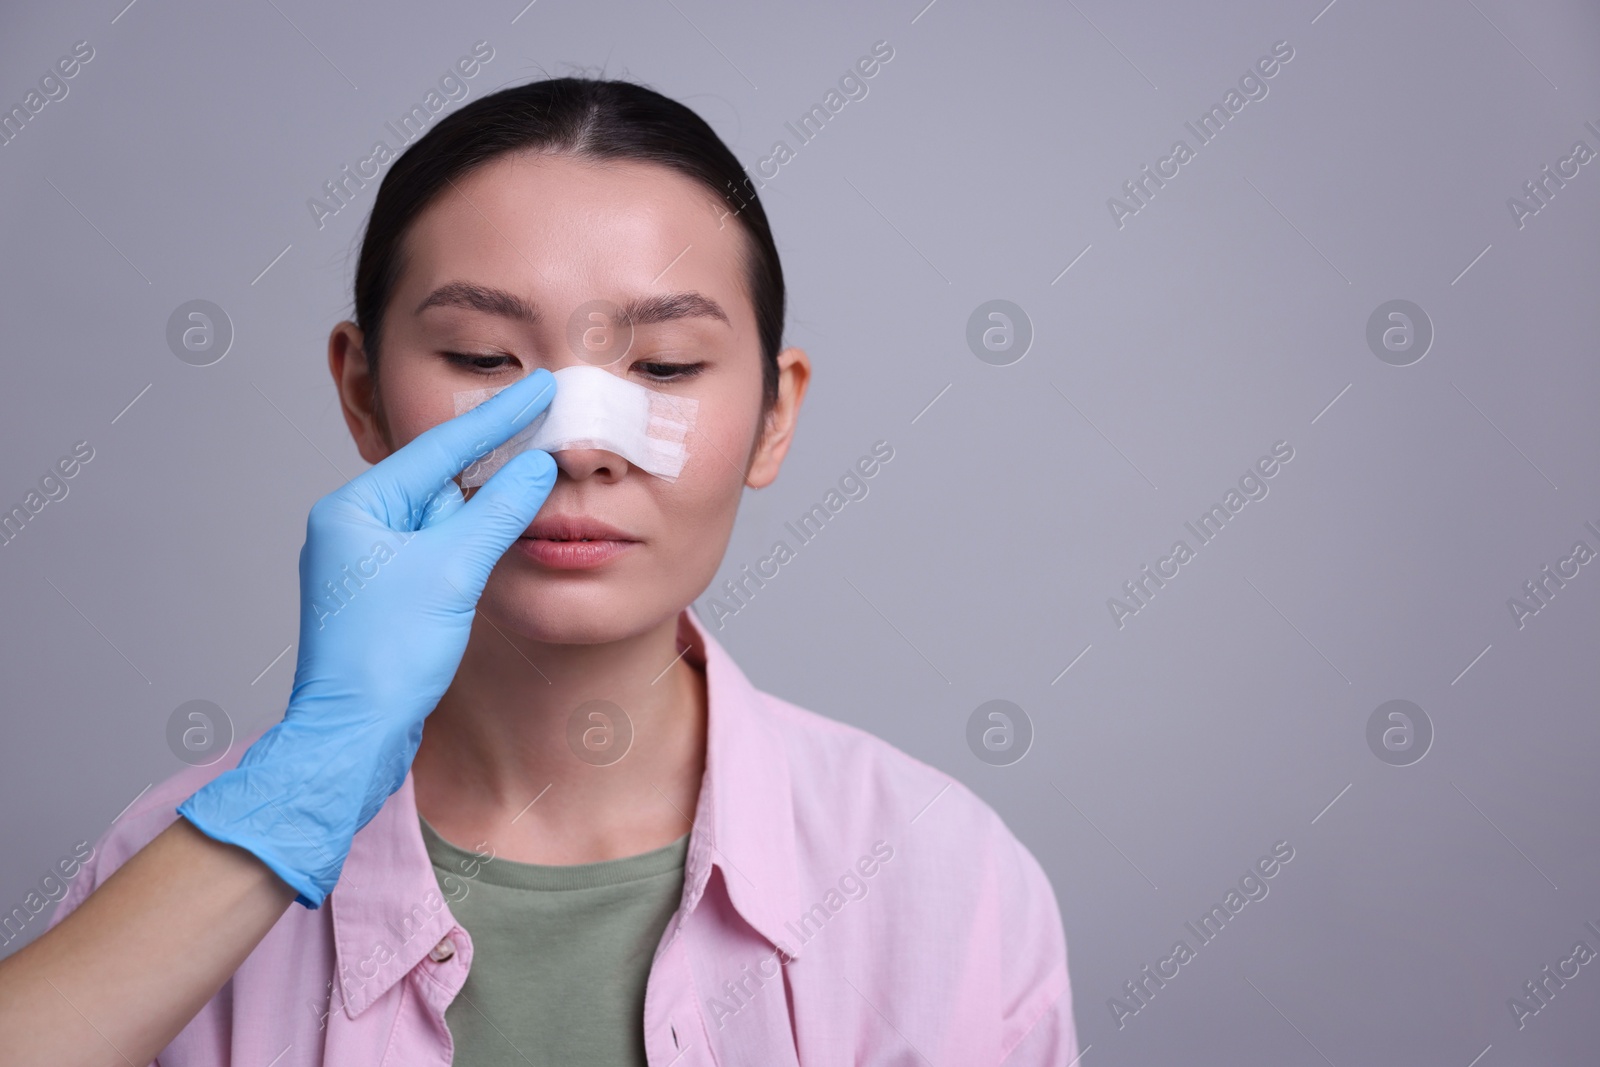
[{"x": 388, "y": 912}]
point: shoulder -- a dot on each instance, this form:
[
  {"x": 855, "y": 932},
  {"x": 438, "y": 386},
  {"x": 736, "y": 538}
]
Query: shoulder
[
  {"x": 956, "y": 879},
  {"x": 151, "y": 812},
  {"x": 852, "y": 786},
  {"x": 843, "y": 775}
]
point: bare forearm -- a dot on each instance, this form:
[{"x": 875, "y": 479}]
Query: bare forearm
[{"x": 118, "y": 978}]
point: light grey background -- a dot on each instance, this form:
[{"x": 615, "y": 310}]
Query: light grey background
[{"x": 1228, "y": 314}]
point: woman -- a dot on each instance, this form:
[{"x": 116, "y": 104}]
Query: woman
[{"x": 606, "y": 846}]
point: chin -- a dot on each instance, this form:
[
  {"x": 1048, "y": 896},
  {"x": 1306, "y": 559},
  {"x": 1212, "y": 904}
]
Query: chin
[{"x": 565, "y": 613}]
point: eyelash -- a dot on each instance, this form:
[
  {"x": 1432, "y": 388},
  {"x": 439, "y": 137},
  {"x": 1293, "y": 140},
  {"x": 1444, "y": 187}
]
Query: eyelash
[{"x": 680, "y": 371}]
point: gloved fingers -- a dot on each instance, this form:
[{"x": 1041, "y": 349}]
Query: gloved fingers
[
  {"x": 414, "y": 487},
  {"x": 443, "y": 504},
  {"x": 500, "y": 510}
]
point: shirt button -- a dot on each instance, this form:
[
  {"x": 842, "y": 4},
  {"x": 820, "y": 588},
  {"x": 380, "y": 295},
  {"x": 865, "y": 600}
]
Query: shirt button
[{"x": 442, "y": 951}]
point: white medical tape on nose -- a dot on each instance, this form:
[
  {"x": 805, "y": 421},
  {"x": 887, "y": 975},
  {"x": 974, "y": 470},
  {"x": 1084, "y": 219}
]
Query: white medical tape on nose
[{"x": 594, "y": 408}]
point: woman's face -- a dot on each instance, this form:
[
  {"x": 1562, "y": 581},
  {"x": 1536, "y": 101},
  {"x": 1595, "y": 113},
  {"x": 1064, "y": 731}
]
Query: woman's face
[{"x": 495, "y": 269}]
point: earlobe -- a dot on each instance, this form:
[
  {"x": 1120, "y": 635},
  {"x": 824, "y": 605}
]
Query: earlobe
[
  {"x": 347, "y": 362},
  {"x": 758, "y": 475},
  {"x": 794, "y": 375}
]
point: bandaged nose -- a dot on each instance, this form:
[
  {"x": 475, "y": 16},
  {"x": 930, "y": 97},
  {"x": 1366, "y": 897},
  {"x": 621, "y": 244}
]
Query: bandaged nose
[{"x": 594, "y": 408}]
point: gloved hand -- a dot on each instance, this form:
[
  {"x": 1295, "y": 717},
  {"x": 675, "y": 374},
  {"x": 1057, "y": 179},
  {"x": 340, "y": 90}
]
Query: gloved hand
[{"x": 390, "y": 575}]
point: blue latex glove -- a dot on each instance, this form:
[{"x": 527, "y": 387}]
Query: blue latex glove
[{"x": 390, "y": 575}]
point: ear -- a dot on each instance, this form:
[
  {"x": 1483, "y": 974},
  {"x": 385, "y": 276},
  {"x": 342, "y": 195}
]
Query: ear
[
  {"x": 358, "y": 395},
  {"x": 773, "y": 437}
]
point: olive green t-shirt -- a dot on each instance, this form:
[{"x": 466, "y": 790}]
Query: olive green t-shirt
[{"x": 560, "y": 955}]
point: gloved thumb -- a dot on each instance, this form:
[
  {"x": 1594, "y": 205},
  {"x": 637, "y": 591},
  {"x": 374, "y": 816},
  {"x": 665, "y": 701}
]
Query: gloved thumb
[{"x": 500, "y": 511}]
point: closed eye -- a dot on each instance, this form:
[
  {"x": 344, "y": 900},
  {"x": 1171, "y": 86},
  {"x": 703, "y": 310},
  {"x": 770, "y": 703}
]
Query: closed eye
[
  {"x": 654, "y": 370},
  {"x": 670, "y": 372},
  {"x": 490, "y": 364}
]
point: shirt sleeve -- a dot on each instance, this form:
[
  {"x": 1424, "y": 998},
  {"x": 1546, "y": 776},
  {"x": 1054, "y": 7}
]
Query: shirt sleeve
[{"x": 1039, "y": 1032}]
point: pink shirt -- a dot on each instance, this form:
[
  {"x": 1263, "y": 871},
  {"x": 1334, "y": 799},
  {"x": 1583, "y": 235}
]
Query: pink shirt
[{"x": 843, "y": 903}]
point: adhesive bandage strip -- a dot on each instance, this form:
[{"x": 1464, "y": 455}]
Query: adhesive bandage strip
[{"x": 594, "y": 408}]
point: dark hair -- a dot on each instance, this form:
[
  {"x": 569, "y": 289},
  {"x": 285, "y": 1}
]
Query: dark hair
[{"x": 589, "y": 118}]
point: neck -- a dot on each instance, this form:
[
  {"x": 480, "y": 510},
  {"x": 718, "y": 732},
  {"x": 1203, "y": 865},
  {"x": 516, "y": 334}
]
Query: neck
[{"x": 516, "y": 757}]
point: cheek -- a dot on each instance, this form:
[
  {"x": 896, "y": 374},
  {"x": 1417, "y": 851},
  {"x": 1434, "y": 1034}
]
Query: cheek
[
  {"x": 407, "y": 426},
  {"x": 716, "y": 454},
  {"x": 414, "y": 403},
  {"x": 724, "y": 431},
  {"x": 700, "y": 506}
]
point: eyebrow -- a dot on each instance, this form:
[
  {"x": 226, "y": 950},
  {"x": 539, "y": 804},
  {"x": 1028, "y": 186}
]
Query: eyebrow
[
  {"x": 481, "y": 298},
  {"x": 638, "y": 310}
]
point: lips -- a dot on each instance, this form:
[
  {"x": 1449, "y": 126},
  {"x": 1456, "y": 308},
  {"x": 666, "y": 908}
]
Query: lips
[{"x": 574, "y": 528}]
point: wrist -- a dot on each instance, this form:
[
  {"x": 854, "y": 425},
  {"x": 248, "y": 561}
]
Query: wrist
[
  {"x": 297, "y": 818},
  {"x": 308, "y": 891}
]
